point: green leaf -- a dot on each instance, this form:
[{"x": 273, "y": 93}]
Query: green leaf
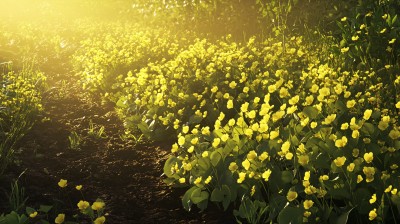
[
  {"x": 222, "y": 195},
  {"x": 394, "y": 19},
  {"x": 287, "y": 176},
  {"x": 186, "y": 202},
  {"x": 45, "y": 208},
  {"x": 198, "y": 196},
  {"x": 290, "y": 215},
  {"x": 171, "y": 161},
  {"x": 310, "y": 112},
  {"x": 215, "y": 158},
  {"x": 342, "y": 219},
  {"x": 368, "y": 128}
]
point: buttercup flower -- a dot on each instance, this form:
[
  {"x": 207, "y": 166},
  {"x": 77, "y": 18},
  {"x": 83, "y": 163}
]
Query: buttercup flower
[
  {"x": 78, "y": 187},
  {"x": 246, "y": 164},
  {"x": 60, "y": 218},
  {"x": 372, "y": 214},
  {"x": 62, "y": 183},
  {"x": 100, "y": 220},
  {"x": 291, "y": 195},
  {"x": 368, "y": 157},
  {"x": 33, "y": 214},
  {"x": 82, "y": 205},
  {"x": 308, "y": 204},
  {"x": 98, "y": 205},
  {"x": 373, "y": 199},
  {"x": 266, "y": 175},
  {"x": 367, "y": 114},
  {"x": 233, "y": 166},
  {"x": 339, "y": 161}
]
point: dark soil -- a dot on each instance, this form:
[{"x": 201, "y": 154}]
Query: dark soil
[{"x": 126, "y": 175}]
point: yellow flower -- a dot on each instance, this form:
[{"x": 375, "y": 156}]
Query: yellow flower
[
  {"x": 373, "y": 199},
  {"x": 291, "y": 109},
  {"x": 78, "y": 187},
  {"x": 383, "y": 30},
  {"x": 181, "y": 140},
  {"x": 62, "y": 183},
  {"x": 244, "y": 107},
  {"x": 398, "y": 105},
  {"x": 367, "y": 114},
  {"x": 187, "y": 166},
  {"x": 303, "y": 160},
  {"x": 388, "y": 189},
  {"x": 289, "y": 156},
  {"x": 308, "y": 204},
  {"x": 385, "y": 16},
  {"x": 198, "y": 180},
  {"x": 273, "y": 134},
  {"x": 59, "y": 219},
  {"x": 182, "y": 180},
  {"x": 216, "y": 142},
  {"x": 339, "y": 161},
  {"x": 232, "y": 84},
  {"x": 233, "y": 166},
  {"x": 33, "y": 214},
  {"x": 253, "y": 190},
  {"x": 313, "y": 124},
  {"x": 392, "y": 41},
  {"x": 344, "y": 49},
  {"x": 368, "y": 157},
  {"x": 98, "y": 205},
  {"x": 294, "y": 100},
  {"x": 350, "y": 104},
  {"x": 242, "y": 176},
  {"x": 208, "y": 180},
  {"x": 266, "y": 175},
  {"x": 354, "y": 38},
  {"x": 229, "y": 105},
  {"x": 329, "y": 119},
  {"x": 340, "y": 143},
  {"x": 359, "y": 179},
  {"x": 291, "y": 195},
  {"x": 369, "y": 173},
  {"x": 174, "y": 148},
  {"x": 185, "y": 129},
  {"x": 343, "y": 19},
  {"x": 190, "y": 149},
  {"x": 271, "y": 88},
  {"x": 100, "y": 220},
  {"x": 82, "y": 205},
  {"x": 394, "y": 134},
  {"x": 372, "y": 214},
  {"x": 344, "y": 126},
  {"x": 355, "y": 134},
  {"x": 362, "y": 26},
  {"x": 350, "y": 167},
  {"x": 246, "y": 164}
]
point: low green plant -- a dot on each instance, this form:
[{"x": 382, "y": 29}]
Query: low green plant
[
  {"x": 75, "y": 141},
  {"x": 44, "y": 214},
  {"x": 20, "y": 94},
  {"x": 17, "y": 197},
  {"x": 96, "y": 134}
]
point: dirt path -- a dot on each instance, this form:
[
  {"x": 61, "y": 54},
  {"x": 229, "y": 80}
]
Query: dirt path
[{"x": 124, "y": 175}]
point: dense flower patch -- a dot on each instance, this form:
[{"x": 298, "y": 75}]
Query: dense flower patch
[
  {"x": 270, "y": 124},
  {"x": 20, "y": 95}
]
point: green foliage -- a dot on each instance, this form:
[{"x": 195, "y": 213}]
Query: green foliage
[
  {"x": 20, "y": 104},
  {"x": 75, "y": 141},
  {"x": 96, "y": 134}
]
